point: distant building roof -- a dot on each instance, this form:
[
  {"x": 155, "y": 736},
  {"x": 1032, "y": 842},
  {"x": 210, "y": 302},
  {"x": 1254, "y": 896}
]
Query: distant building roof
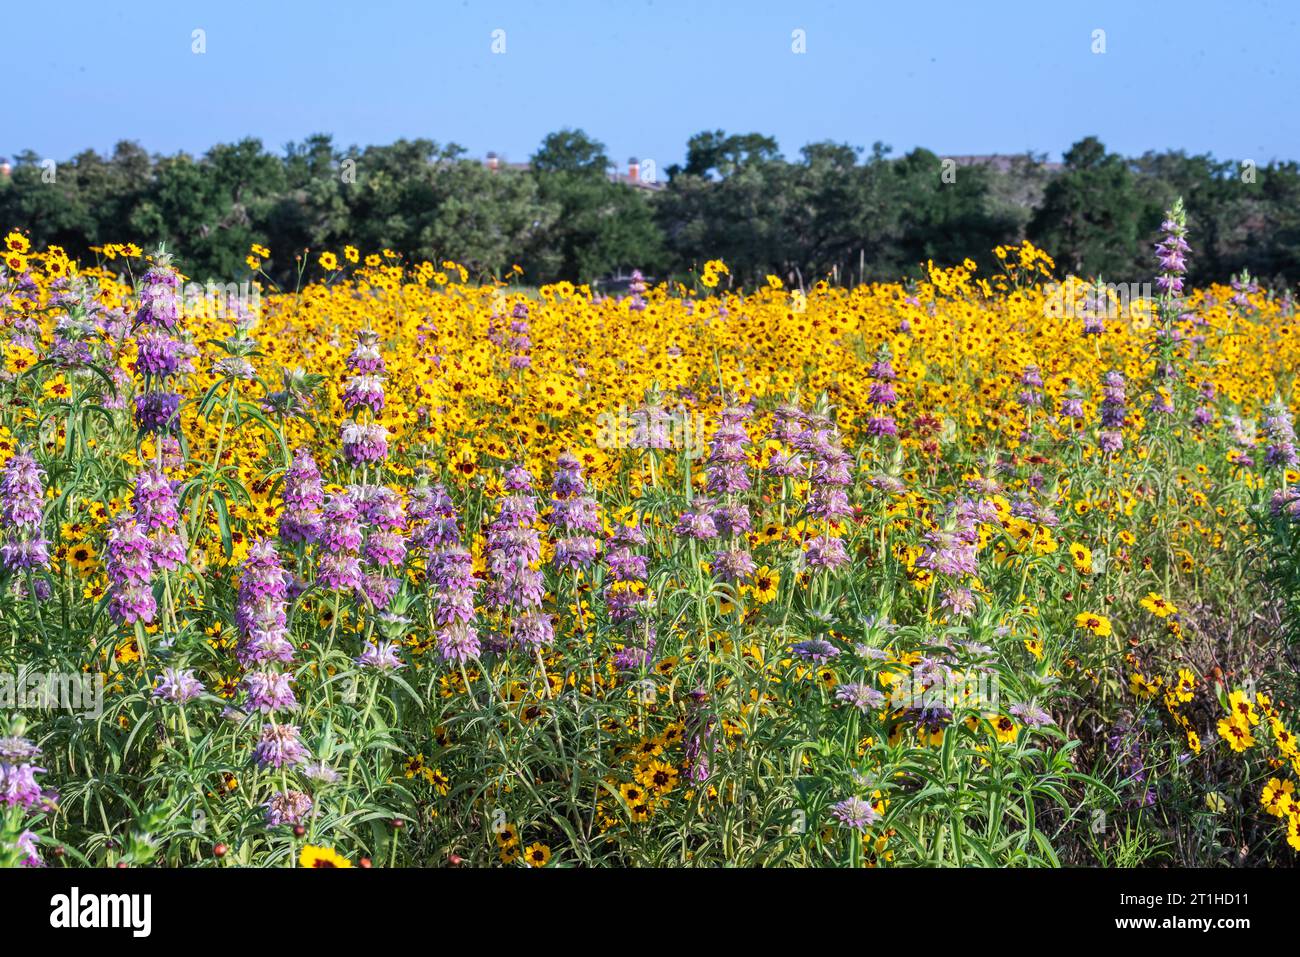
[{"x": 632, "y": 177}]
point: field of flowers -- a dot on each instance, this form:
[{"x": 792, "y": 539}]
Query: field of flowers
[{"x": 407, "y": 568}]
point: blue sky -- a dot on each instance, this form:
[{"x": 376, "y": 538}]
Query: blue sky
[{"x": 643, "y": 75}]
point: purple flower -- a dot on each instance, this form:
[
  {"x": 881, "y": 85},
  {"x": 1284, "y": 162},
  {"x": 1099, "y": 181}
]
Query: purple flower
[
  {"x": 451, "y": 571},
  {"x": 364, "y": 444},
  {"x": 573, "y": 516},
  {"x": 816, "y": 650},
  {"x": 432, "y": 517},
  {"x": 178, "y": 686},
  {"x": 159, "y": 298},
  {"x": 825, "y": 553},
  {"x": 624, "y": 596},
  {"x": 577, "y": 552},
  {"x": 18, "y": 785},
  {"x": 386, "y": 548},
  {"x": 321, "y": 772},
  {"x": 732, "y": 519},
  {"x": 364, "y": 392},
  {"x": 17, "y": 750},
  {"x": 261, "y": 612},
  {"x": 381, "y": 656},
  {"x": 1172, "y": 251},
  {"x": 733, "y": 565},
  {"x": 1114, "y": 402},
  {"x": 854, "y": 813},
  {"x": 726, "y": 471},
  {"x": 513, "y": 548},
  {"x": 880, "y": 426},
  {"x": 882, "y": 393},
  {"x": 155, "y": 501},
  {"x": 519, "y": 342},
  {"x": 300, "y": 522},
  {"x": 22, "y": 509},
  {"x": 699, "y": 736},
  {"x": 280, "y": 747},
  {"x": 947, "y": 552},
  {"x": 269, "y": 691},
  {"x": 832, "y": 476},
  {"x": 1279, "y": 431},
  {"x": 1031, "y": 714},
  {"x": 341, "y": 524},
  {"x": 26, "y": 553},
  {"x": 377, "y": 588},
  {"x": 696, "y": 524},
  {"x": 129, "y": 564},
  {"x": 960, "y": 601},
  {"x": 26, "y": 845},
  {"x": 365, "y": 356},
  {"x": 860, "y": 696},
  {"x": 287, "y": 807},
  {"x": 22, "y": 492},
  {"x": 532, "y": 630},
  {"x": 157, "y": 411},
  {"x": 339, "y": 572},
  {"x": 157, "y": 355},
  {"x": 156, "y": 512}
]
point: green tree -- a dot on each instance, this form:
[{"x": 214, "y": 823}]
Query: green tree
[
  {"x": 597, "y": 225},
  {"x": 1094, "y": 219}
]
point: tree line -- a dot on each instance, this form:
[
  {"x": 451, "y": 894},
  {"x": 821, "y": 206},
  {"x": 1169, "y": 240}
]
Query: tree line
[{"x": 834, "y": 211}]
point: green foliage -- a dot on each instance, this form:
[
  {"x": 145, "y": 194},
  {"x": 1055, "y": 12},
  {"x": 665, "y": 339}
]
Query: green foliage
[{"x": 836, "y": 212}]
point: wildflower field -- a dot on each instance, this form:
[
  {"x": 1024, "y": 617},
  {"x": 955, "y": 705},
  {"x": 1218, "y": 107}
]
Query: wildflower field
[{"x": 405, "y": 567}]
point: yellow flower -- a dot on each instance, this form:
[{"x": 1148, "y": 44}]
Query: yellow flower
[
  {"x": 328, "y": 261},
  {"x": 763, "y": 584},
  {"x": 1242, "y": 708},
  {"x": 313, "y": 856},
  {"x": 18, "y": 358},
  {"x": 1144, "y": 687},
  {"x": 57, "y": 388},
  {"x": 1005, "y": 729},
  {"x": 1081, "y": 555},
  {"x": 1235, "y": 733},
  {"x": 1099, "y": 625},
  {"x": 1276, "y": 791},
  {"x": 1186, "y": 686},
  {"x": 1161, "y": 607},
  {"x": 537, "y": 855},
  {"x": 82, "y": 557},
  {"x": 658, "y": 776},
  {"x": 1293, "y": 832},
  {"x": 414, "y": 766}
]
